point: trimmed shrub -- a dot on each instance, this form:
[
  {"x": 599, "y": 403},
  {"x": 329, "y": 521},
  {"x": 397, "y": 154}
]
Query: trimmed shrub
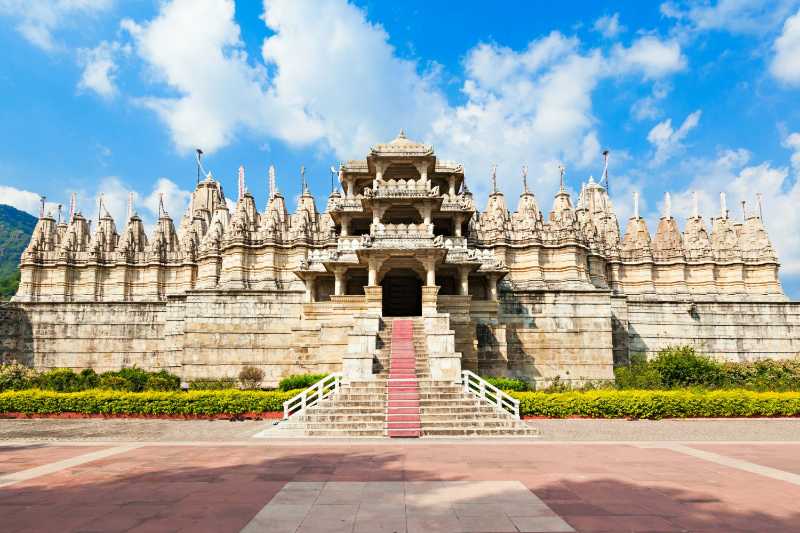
[
  {"x": 638, "y": 375},
  {"x": 251, "y": 377},
  {"x": 508, "y": 384},
  {"x": 14, "y": 376},
  {"x": 213, "y": 384},
  {"x": 206, "y": 403},
  {"x": 659, "y": 404},
  {"x": 110, "y": 381},
  {"x": 681, "y": 366},
  {"x": 60, "y": 380},
  {"x": 299, "y": 381}
]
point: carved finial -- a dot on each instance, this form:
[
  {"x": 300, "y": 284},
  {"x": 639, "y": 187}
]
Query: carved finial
[
  {"x": 402, "y": 134},
  {"x": 696, "y": 205},
  {"x": 494, "y": 178},
  {"x": 241, "y": 182},
  {"x": 273, "y": 186},
  {"x": 723, "y": 206},
  {"x": 604, "y": 178},
  {"x": 100, "y": 207},
  {"x": 525, "y": 178},
  {"x": 130, "y": 205},
  {"x": 304, "y": 185},
  {"x": 59, "y": 212},
  {"x": 41, "y": 208},
  {"x": 562, "y": 171},
  {"x": 635, "y": 204},
  {"x": 72, "y": 202},
  {"x": 667, "y": 205}
]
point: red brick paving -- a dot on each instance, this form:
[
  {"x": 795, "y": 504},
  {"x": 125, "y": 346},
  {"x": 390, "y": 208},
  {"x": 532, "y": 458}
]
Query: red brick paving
[
  {"x": 611, "y": 487},
  {"x": 14, "y": 459}
]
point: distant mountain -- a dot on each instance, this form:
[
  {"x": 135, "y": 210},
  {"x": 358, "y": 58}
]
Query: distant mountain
[{"x": 16, "y": 228}]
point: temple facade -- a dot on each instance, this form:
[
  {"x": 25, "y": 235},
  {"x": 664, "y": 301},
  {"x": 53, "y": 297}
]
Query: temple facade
[{"x": 499, "y": 292}]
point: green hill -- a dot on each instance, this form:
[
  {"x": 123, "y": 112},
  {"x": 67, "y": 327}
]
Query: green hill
[{"x": 16, "y": 228}]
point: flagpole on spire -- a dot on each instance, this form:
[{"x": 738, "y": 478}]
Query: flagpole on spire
[
  {"x": 99, "y": 208},
  {"x": 304, "y": 185},
  {"x": 161, "y": 210},
  {"x": 562, "y": 171},
  {"x": 759, "y": 198},
  {"x": 333, "y": 178},
  {"x": 494, "y": 178},
  {"x": 604, "y": 179},
  {"x": 199, "y": 163},
  {"x": 59, "y": 212},
  {"x": 667, "y": 205},
  {"x": 525, "y": 178},
  {"x": 636, "y": 205},
  {"x": 41, "y": 209},
  {"x": 723, "y": 205}
]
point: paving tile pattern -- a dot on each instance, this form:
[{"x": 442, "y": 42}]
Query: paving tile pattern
[{"x": 406, "y": 506}]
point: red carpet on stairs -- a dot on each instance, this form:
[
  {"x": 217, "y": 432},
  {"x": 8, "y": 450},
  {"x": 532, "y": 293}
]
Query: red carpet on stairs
[{"x": 402, "y": 410}]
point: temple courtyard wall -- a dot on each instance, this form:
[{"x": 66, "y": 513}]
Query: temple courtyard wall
[{"x": 575, "y": 335}]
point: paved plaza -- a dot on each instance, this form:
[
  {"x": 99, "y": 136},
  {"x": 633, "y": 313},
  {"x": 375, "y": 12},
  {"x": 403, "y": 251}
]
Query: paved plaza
[{"x": 148, "y": 480}]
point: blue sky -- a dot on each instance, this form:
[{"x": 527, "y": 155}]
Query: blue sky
[{"x": 111, "y": 96}]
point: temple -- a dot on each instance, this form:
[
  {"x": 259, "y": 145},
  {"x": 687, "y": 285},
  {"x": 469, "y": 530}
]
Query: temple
[{"x": 497, "y": 292}]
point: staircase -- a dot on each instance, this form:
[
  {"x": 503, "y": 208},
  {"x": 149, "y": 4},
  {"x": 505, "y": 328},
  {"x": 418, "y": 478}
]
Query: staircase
[
  {"x": 402, "y": 400},
  {"x": 402, "y": 406}
]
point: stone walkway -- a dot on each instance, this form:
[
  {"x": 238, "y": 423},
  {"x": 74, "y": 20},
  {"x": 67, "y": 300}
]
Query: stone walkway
[{"x": 390, "y": 486}]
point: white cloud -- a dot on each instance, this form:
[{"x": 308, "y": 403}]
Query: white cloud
[
  {"x": 100, "y": 68},
  {"x": 608, "y": 26},
  {"x": 652, "y": 56},
  {"x": 734, "y": 16},
  {"x": 668, "y": 141},
  {"x": 330, "y": 76},
  {"x": 27, "y": 201},
  {"x": 785, "y": 65},
  {"x": 792, "y": 142},
  {"x": 647, "y": 108},
  {"x": 176, "y": 200},
  {"x": 219, "y": 90},
  {"x": 38, "y": 19}
]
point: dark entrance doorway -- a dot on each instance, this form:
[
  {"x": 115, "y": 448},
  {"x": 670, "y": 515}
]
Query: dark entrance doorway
[{"x": 402, "y": 293}]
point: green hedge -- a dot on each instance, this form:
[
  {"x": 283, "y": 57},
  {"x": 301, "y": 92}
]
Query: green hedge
[
  {"x": 658, "y": 404},
  {"x": 227, "y": 402}
]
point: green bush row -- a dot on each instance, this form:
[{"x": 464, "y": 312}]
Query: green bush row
[
  {"x": 14, "y": 376},
  {"x": 299, "y": 381},
  {"x": 659, "y": 404},
  {"x": 227, "y": 402},
  {"x": 508, "y": 384},
  {"x": 682, "y": 367}
]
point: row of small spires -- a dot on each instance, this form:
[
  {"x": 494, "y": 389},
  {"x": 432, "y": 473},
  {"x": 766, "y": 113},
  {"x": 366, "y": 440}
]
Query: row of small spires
[{"x": 273, "y": 191}]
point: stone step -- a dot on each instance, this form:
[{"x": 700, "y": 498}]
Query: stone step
[{"x": 484, "y": 432}]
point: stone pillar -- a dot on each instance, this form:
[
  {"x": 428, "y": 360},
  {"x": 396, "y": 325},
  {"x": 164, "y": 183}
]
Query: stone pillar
[
  {"x": 430, "y": 274},
  {"x": 345, "y": 225},
  {"x": 429, "y": 297},
  {"x": 451, "y": 182},
  {"x": 463, "y": 275},
  {"x": 309, "y": 282},
  {"x": 379, "y": 168},
  {"x": 492, "y": 282},
  {"x": 426, "y": 214},
  {"x": 458, "y": 221},
  {"x": 338, "y": 286}
]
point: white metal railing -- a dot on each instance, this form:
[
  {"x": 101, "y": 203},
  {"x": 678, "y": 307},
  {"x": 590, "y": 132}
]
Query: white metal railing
[
  {"x": 310, "y": 397},
  {"x": 476, "y": 385}
]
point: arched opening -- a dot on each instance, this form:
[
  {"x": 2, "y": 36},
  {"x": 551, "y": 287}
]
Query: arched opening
[
  {"x": 401, "y": 214},
  {"x": 402, "y": 293}
]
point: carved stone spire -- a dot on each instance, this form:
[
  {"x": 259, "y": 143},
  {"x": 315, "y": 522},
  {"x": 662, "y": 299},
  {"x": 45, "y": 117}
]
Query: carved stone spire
[{"x": 72, "y": 202}]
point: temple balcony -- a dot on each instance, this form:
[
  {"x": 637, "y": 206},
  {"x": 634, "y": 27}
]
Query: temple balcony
[
  {"x": 458, "y": 203},
  {"x": 346, "y": 205},
  {"x": 400, "y": 188},
  {"x": 421, "y": 230}
]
